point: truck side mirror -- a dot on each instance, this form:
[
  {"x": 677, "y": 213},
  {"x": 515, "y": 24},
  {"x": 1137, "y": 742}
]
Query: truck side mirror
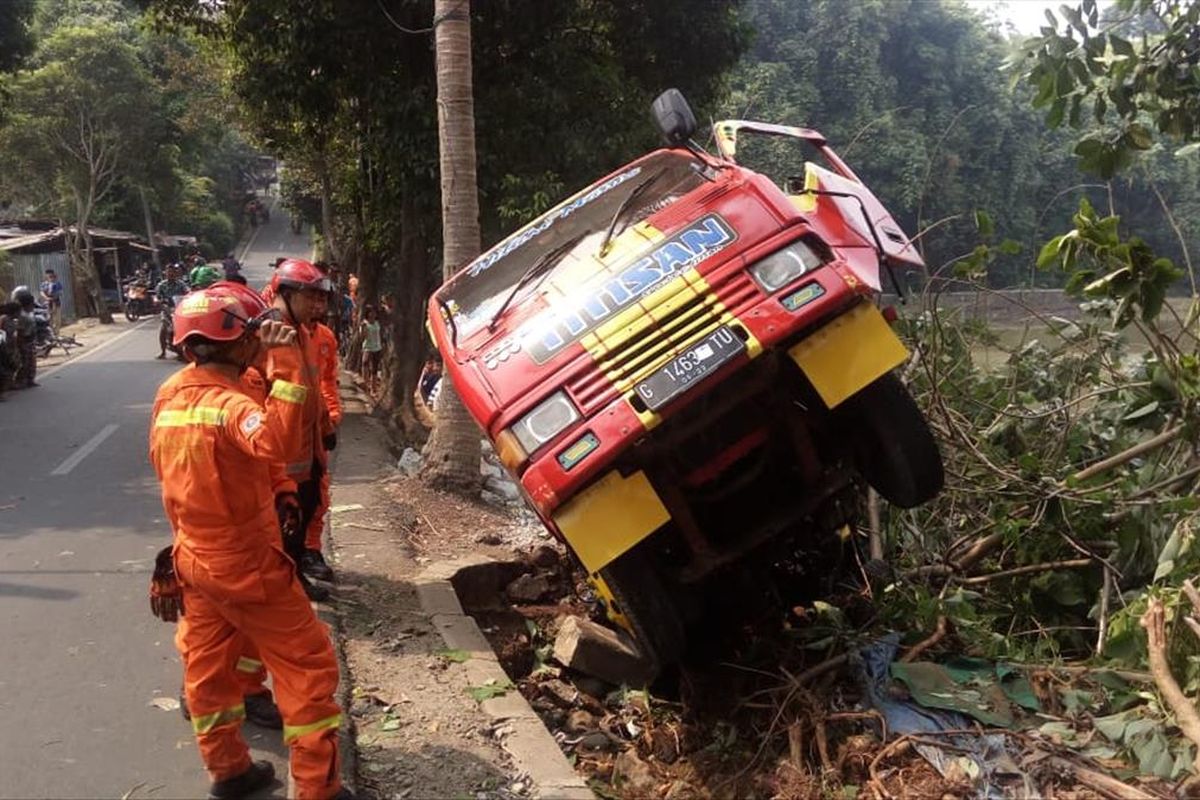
[{"x": 674, "y": 117}]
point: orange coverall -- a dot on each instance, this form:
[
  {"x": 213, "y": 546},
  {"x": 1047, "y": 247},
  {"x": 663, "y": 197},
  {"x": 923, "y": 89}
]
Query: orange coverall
[
  {"x": 325, "y": 343},
  {"x": 212, "y": 446}
]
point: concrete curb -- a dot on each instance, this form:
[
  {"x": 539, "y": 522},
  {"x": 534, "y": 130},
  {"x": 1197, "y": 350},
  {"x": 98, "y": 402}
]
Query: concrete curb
[{"x": 527, "y": 740}]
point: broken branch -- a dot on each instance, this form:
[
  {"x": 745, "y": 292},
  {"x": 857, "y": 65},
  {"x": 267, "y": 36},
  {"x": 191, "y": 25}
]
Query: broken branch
[
  {"x": 1071, "y": 563},
  {"x": 1186, "y": 716},
  {"x": 920, "y": 647},
  {"x": 1129, "y": 454}
]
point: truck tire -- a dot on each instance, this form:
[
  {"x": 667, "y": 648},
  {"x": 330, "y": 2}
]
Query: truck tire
[
  {"x": 647, "y": 602},
  {"x": 894, "y": 450}
]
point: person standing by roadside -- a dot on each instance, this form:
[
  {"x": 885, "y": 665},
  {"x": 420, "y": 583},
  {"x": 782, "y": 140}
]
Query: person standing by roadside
[
  {"x": 52, "y": 292},
  {"x": 10, "y": 357},
  {"x": 371, "y": 349},
  {"x": 26, "y": 337},
  {"x": 300, "y": 295},
  {"x": 227, "y": 581}
]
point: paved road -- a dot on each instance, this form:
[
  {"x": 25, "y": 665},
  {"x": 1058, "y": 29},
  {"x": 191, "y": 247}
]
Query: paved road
[{"x": 81, "y": 658}]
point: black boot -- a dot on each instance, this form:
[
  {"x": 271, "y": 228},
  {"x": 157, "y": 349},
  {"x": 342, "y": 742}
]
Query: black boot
[
  {"x": 260, "y": 775},
  {"x": 345, "y": 794},
  {"x": 312, "y": 564},
  {"x": 262, "y": 711},
  {"x": 318, "y": 593}
]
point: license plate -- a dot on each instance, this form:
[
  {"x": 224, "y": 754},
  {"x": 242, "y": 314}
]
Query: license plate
[{"x": 690, "y": 367}]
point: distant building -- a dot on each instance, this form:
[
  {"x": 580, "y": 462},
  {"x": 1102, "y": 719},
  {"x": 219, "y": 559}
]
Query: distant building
[{"x": 34, "y": 247}]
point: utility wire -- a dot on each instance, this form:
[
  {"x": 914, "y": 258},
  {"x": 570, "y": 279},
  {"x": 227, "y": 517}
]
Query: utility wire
[{"x": 419, "y": 31}]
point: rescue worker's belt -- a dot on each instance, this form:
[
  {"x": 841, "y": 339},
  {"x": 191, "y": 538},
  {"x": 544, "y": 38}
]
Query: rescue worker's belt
[
  {"x": 289, "y": 392},
  {"x": 196, "y": 415}
]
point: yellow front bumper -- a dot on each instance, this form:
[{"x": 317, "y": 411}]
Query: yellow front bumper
[{"x": 849, "y": 353}]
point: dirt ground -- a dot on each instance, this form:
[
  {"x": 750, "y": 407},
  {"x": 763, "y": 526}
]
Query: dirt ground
[{"x": 419, "y": 734}]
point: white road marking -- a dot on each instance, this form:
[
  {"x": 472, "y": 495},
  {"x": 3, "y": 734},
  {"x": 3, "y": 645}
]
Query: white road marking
[
  {"x": 84, "y": 356},
  {"x": 72, "y": 461}
]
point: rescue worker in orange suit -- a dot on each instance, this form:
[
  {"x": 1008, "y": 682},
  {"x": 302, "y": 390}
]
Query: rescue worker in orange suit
[
  {"x": 213, "y": 446},
  {"x": 301, "y": 294},
  {"x": 249, "y": 669},
  {"x": 325, "y": 342}
]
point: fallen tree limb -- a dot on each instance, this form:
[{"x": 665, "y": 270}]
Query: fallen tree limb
[
  {"x": 1071, "y": 563},
  {"x": 1186, "y": 716},
  {"x": 1129, "y": 454},
  {"x": 1098, "y": 781},
  {"x": 920, "y": 647},
  {"x": 1132, "y": 676}
]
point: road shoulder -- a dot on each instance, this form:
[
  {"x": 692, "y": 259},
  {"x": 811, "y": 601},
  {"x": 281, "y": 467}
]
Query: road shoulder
[{"x": 418, "y": 732}]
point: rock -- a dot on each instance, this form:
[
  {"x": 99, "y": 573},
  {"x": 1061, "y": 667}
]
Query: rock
[
  {"x": 593, "y": 687},
  {"x": 528, "y": 588},
  {"x": 505, "y": 488},
  {"x": 544, "y": 556},
  {"x": 493, "y": 499},
  {"x": 490, "y": 470},
  {"x": 682, "y": 790},
  {"x": 663, "y": 746},
  {"x": 560, "y": 693},
  {"x": 593, "y": 649},
  {"x": 410, "y": 462},
  {"x": 598, "y": 742},
  {"x": 579, "y": 721},
  {"x": 489, "y": 538},
  {"x": 632, "y": 776}
]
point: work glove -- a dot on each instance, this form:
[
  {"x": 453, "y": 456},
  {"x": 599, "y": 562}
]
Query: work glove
[
  {"x": 287, "y": 507},
  {"x": 166, "y": 595},
  {"x": 329, "y": 441}
]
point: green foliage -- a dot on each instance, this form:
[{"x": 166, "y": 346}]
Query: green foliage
[
  {"x": 15, "y": 39},
  {"x": 1102, "y": 266},
  {"x": 1130, "y": 89}
]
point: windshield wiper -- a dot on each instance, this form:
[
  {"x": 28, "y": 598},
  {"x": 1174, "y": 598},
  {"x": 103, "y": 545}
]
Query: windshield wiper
[
  {"x": 634, "y": 194},
  {"x": 542, "y": 267}
]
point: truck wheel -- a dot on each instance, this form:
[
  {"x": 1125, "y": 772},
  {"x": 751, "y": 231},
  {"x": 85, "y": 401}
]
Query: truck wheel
[
  {"x": 894, "y": 450},
  {"x": 645, "y": 600}
]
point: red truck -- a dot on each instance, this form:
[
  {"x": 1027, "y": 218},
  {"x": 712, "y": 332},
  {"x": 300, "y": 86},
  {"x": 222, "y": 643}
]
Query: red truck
[{"x": 685, "y": 369}]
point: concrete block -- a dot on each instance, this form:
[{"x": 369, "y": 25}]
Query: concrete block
[
  {"x": 438, "y": 597},
  {"x": 460, "y": 632},
  {"x": 536, "y": 752},
  {"x": 595, "y": 650},
  {"x": 509, "y": 706}
]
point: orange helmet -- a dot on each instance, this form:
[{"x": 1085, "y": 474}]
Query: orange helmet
[
  {"x": 219, "y": 313},
  {"x": 296, "y": 273}
]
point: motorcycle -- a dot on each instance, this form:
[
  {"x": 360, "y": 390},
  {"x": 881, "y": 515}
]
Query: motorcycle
[
  {"x": 166, "y": 328},
  {"x": 139, "y": 300},
  {"x": 46, "y": 339}
]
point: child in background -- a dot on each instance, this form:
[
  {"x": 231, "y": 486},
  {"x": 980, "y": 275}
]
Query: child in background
[{"x": 372, "y": 347}]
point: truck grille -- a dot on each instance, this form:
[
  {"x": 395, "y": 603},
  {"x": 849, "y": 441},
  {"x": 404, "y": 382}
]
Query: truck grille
[{"x": 673, "y": 324}]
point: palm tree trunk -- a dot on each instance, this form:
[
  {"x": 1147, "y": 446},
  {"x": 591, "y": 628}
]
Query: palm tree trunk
[{"x": 452, "y": 454}]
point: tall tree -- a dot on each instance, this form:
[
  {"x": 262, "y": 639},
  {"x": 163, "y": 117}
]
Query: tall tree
[
  {"x": 75, "y": 122},
  {"x": 452, "y": 458}
]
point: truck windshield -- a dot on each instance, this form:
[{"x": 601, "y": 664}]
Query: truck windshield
[{"x": 475, "y": 295}]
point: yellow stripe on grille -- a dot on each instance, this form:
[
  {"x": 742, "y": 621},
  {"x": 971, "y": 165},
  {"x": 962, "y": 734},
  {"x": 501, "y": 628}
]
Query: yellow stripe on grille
[
  {"x": 291, "y": 732},
  {"x": 203, "y": 723},
  {"x": 197, "y": 415},
  {"x": 289, "y": 392}
]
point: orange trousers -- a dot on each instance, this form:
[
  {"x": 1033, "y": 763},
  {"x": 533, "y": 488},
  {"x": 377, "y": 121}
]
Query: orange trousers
[
  {"x": 316, "y": 525},
  {"x": 260, "y": 604}
]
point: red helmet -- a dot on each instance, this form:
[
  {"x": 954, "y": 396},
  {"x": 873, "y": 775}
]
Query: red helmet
[
  {"x": 218, "y": 313},
  {"x": 297, "y": 273}
]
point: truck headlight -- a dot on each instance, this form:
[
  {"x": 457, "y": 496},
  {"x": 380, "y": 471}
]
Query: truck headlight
[
  {"x": 784, "y": 266},
  {"x": 548, "y": 419}
]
